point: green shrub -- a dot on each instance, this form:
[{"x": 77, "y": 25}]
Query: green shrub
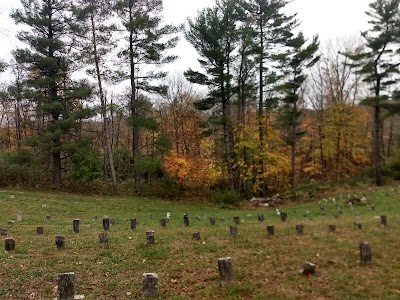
[
  {"x": 230, "y": 197},
  {"x": 86, "y": 166}
]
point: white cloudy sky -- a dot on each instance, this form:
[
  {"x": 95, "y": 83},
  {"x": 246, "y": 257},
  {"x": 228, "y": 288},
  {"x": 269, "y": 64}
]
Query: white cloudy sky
[{"x": 328, "y": 18}]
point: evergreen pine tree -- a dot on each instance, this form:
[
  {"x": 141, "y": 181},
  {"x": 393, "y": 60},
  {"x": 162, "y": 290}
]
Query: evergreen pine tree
[
  {"x": 54, "y": 93},
  {"x": 377, "y": 63}
]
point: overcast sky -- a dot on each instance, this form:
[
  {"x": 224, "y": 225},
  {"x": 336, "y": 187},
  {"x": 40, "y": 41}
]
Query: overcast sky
[{"x": 329, "y": 19}]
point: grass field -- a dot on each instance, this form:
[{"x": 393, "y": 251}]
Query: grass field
[{"x": 265, "y": 267}]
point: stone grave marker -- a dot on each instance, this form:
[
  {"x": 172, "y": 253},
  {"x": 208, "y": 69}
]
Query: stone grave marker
[
  {"x": 212, "y": 221},
  {"x": 40, "y": 230},
  {"x": 10, "y": 222},
  {"x": 75, "y": 225},
  {"x": 20, "y": 216},
  {"x": 357, "y": 225},
  {"x": 233, "y": 230},
  {"x": 300, "y": 228},
  {"x": 332, "y": 227},
  {"x": 106, "y": 223},
  {"x": 198, "y": 219},
  {"x": 112, "y": 222},
  {"x": 261, "y": 218},
  {"x": 133, "y": 223},
  {"x": 9, "y": 244},
  {"x": 236, "y": 220},
  {"x": 308, "y": 268},
  {"x": 196, "y": 236},
  {"x": 150, "y": 285},
  {"x": 103, "y": 238},
  {"x": 163, "y": 222},
  {"x": 384, "y": 220},
  {"x": 150, "y": 237},
  {"x": 65, "y": 290},
  {"x": 48, "y": 217},
  {"x": 185, "y": 220},
  {"x": 225, "y": 271},
  {"x": 60, "y": 241},
  {"x": 283, "y": 216},
  {"x": 271, "y": 229},
  {"x": 365, "y": 253},
  {"x": 3, "y": 231}
]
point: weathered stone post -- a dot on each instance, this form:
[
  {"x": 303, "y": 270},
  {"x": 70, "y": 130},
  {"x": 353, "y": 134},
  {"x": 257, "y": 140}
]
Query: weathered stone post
[
  {"x": 65, "y": 289},
  {"x": 357, "y": 225},
  {"x": 212, "y": 221},
  {"x": 10, "y": 222},
  {"x": 233, "y": 230},
  {"x": 40, "y": 230},
  {"x": 3, "y": 231},
  {"x": 75, "y": 225},
  {"x": 332, "y": 228},
  {"x": 150, "y": 285},
  {"x": 283, "y": 216},
  {"x": 271, "y": 229},
  {"x": 365, "y": 253},
  {"x": 163, "y": 222},
  {"x": 261, "y": 218},
  {"x": 60, "y": 241},
  {"x": 103, "y": 238},
  {"x": 9, "y": 244},
  {"x": 185, "y": 220},
  {"x": 225, "y": 271},
  {"x": 308, "y": 268},
  {"x": 133, "y": 223},
  {"x": 236, "y": 220},
  {"x": 48, "y": 217},
  {"x": 300, "y": 228},
  {"x": 150, "y": 237},
  {"x": 196, "y": 236},
  {"x": 384, "y": 220},
  {"x": 106, "y": 223},
  {"x": 20, "y": 216}
]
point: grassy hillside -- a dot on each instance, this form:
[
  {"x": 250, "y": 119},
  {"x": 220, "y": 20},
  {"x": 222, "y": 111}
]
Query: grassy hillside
[{"x": 265, "y": 267}]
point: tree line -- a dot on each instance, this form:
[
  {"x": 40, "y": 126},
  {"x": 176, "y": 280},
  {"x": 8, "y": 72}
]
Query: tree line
[{"x": 278, "y": 109}]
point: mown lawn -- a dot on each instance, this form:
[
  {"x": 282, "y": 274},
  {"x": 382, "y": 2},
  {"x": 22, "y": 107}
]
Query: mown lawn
[{"x": 265, "y": 267}]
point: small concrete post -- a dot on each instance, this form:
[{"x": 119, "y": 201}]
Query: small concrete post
[
  {"x": 163, "y": 222},
  {"x": 225, "y": 271},
  {"x": 65, "y": 290},
  {"x": 212, "y": 221},
  {"x": 60, "y": 241},
  {"x": 133, "y": 223},
  {"x": 236, "y": 220},
  {"x": 106, "y": 223},
  {"x": 40, "y": 230},
  {"x": 112, "y": 222},
  {"x": 48, "y": 217},
  {"x": 150, "y": 285},
  {"x": 3, "y": 231},
  {"x": 103, "y": 239},
  {"x": 365, "y": 253},
  {"x": 372, "y": 207},
  {"x": 185, "y": 220},
  {"x": 283, "y": 216},
  {"x": 261, "y": 218},
  {"x": 233, "y": 230},
  {"x": 271, "y": 229},
  {"x": 20, "y": 216},
  {"x": 75, "y": 225},
  {"x": 308, "y": 268},
  {"x": 332, "y": 228},
  {"x": 196, "y": 236},
  {"x": 384, "y": 220},
  {"x": 357, "y": 225},
  {"x": 299, "y": 228},
  {"x": 10, "y": 222},
  {"x": 150, "y": 237},
  {"x": 9, "y": 244}
]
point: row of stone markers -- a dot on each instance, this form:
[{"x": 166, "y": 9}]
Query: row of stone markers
[
  {"x": 150, "y": 284},
  {"x": 150, "y": 235}
]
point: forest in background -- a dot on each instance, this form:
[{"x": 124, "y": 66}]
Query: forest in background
[{"x": 268, "y": 111}]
